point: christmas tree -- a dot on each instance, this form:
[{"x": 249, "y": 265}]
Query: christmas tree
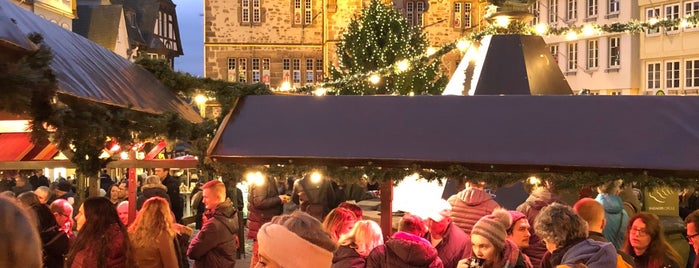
[{"x": 382, "y": 44}]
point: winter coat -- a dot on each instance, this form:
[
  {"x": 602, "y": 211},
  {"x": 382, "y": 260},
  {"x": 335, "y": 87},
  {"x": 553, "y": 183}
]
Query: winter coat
[
  {"x": 593, "y": 254},
  {"x": 160, "y": 253},
  {"x": 55, "y": 243},
  {"x": 406, "y": 251},
  {"x": 263, "y": 204},
  {"x": 347, "y": 257},
  {"x": 151, "y": 190},
  {"x": 214, "y": 246},
  {"x": 116, "y": 252},
  {"x": 512, "y": 257},
  {"x": 176, "y": 201},
  {"x": 469, "y": 205},
  {"x": 316, "y": 199},
  {"x": 537, "y": 200},
  {"x": 643, "y": 261},
  {"x": 631, "y": 203},
  {"x": 600, "y": 237},
  {"x": 615, "y": 217},
  {"x": 455, "y": 245}
]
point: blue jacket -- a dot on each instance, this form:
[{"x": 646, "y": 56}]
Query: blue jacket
[
  {"x": 593, "y": 254},
  {"x": 616, "y": 217}
]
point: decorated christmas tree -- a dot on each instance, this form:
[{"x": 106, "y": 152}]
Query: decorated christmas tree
[{"x": 380, "y": 53}]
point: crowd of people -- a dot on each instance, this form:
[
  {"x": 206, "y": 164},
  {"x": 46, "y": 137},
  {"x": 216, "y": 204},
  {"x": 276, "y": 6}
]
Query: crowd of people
[{"x": 469, "y": 229}]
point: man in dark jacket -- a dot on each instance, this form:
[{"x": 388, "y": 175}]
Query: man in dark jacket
[
  {"x": 451, "y": 242},
  {"x": 264, "y": 202},
  {"x": 406, "y": 249},
  {"x": 314, "y": 195},
  {"x": 173, "y": 190},
  {"x": 215, "y": 244}
]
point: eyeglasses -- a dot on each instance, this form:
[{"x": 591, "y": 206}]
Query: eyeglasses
[
  {"x": 690, "y": 237},
  {"x": 639, "y": 232}
]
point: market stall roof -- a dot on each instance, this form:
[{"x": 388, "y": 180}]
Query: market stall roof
[
  {"x": 86, "y": 70},
  {"x": 490, "y": 133}
]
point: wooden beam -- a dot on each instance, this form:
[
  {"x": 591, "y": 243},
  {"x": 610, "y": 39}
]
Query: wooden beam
[
  {"x": 165, "y": 163},
  {"x": 36, "y": 164},
  {"x": 386, "y": 209}
]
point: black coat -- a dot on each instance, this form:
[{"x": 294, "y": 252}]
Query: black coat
[
  {"x": 263, "y": 204},
  {"x": 455, "y": 245},
  {"x": 405, "y": 251},
  {"x": 347, "y": 257},
  {"x": 151, "y": 190},
  {"x": 176, "y": 201}
]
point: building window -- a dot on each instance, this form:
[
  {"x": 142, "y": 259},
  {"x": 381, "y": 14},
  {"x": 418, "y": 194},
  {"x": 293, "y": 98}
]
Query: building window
[
  {"x": 297, "y": 71},
  {"x": 309, "y": 71},
  {"x": 242, "y": 70},
  {"x": 265, "y": 71},
  {"x": 462, "y": 15},
  {"x": 232, "y": 71},
  {"x": 592, "y": 8},
  {"x": 672, "y": 74},
  {"x": 554, "y": 51},
  {"x": 691, "y": 73},
  {"x": 615, "y": 93},
  {"x": 553, "y": 11},
  {"x": 614, "y": 52},
  {"x": 672, "y": 12},
  {"x": 250, "y": 8},
  {"x": 255, "y": 70},
  {"x": 592, "y": 54},
  {"x": 613, "y": 7},
  {"x": 691, "y": 8},
  {"x": 303, "y": 12},
  {"x": 572, "y": 56},
  {"x": 653, "y": 12},
  {"x": 414, "y": 12},
  {"x": 286, "y": 72},
  {"x": 572, "y": 10},
  {"x": 653, "y": 75},
  {"x": 534, "y": 9},
  {"x": 319, "y": 70}
]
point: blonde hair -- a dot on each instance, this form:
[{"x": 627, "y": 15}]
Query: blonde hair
[
  {"x": 337, "y": 221},
  {"x": 20, "y": 242},
  {"x": 152, "y": 179},
  {"x": 153, "y": 219},
  {"x": 367, "y": 232}
]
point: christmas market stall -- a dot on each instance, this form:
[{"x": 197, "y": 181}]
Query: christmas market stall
[{"x": 581, "y": 137}]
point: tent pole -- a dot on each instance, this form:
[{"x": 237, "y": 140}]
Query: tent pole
[
  {"x": 132, "y": 194},
  {"x": 386, "y": 208}
]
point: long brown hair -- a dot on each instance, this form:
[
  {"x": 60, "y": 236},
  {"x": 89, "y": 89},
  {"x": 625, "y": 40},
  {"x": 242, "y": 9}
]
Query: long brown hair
[
  {"x": 20, "y": 243},
  {"x": 658, "y": 249},
  {"x": 100, "y": 216},
  {"x": 153, "y": 219}
]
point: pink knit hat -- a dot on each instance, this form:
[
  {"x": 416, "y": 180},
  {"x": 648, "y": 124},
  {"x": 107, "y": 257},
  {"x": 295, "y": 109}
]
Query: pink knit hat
[
  {"x": 290, "y": 250},
  {"x": 516, "y": 215}
]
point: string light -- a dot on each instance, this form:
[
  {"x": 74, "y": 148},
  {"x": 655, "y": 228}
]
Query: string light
[{"x": 374, "y": 79}]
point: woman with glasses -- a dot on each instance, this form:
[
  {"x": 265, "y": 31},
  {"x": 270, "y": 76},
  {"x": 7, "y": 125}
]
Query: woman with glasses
[{"x": 645, "y": 242}]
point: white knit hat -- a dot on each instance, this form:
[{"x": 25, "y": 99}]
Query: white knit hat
[{"x": 290, "y": 250}]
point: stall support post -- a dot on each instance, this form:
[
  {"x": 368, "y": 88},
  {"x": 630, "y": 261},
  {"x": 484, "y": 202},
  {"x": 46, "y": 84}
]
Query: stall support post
[
  {"x": 132, "y": 194},
  {"x": 386, "y": 208}
]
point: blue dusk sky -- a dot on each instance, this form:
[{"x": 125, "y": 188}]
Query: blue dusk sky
[{"x": 190, "y": 17}]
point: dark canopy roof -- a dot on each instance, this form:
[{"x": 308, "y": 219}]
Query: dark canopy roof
[
  {"x": 85, "y": 70},
  {"x": 497, "y": 133}
]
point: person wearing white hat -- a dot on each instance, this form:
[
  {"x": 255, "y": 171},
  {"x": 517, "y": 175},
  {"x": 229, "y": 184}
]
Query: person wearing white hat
[{"x": 451, "y": 242}]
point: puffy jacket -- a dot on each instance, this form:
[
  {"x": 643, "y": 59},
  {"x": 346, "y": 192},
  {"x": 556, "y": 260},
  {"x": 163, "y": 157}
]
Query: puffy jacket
[
  {"x": 151, "y": 190},
  {"x": 455, "y": 245},
  {"x": 537, "y": 200},
  {"x": 469, "y": 205},
  {"x": 593, "y": 254},
  {"x": 263, "y": 204},
  {"x": 406, "y": 251},
  {"x": 615, "y": 217},
  {"x": 214, "y": 246},
  {"x": 347, "y": 257}
]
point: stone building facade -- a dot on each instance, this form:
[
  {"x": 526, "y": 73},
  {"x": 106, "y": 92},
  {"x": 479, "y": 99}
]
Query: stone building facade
[{"x": 294, "y": 41}]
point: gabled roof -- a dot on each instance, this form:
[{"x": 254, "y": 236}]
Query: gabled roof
[
  {"x": 100, "y": 24},
  {"x": 492, "y": 133},
  {"x": 88, "y": 71}
]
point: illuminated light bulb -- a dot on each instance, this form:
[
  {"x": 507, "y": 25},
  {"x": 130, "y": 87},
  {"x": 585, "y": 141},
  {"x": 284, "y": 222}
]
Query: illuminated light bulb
[
  {"x": 653, "y": 21},
  {"x": 286, "y": 86},
  {"x": 320, "y": 91},
  {"x": 502, "y": 21},
  {"x": 200, "y": 99},
  {"x": 431, "y": 51},
  {"x": 572, "y": 35},
  {"x": 534, "y": 180},
  {"x": 411, "y": 93},
  {"x": 316, "y": 177},
  {"x": 684, "y": 23},
  {"x": 402, "y": 65},
  {"x": 463, "y": 45},
  {"x": 374, "y": 79},
  {"x": 588, "y": 30},
  {"x": 255, "y": 178},
  {"x": 124, "y": 155},
  {"x": 541, "y": 29}
]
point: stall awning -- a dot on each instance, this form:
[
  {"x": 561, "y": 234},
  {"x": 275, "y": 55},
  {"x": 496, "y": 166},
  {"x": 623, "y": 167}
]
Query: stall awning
[
  {"x": 496, "y": 133},
  {"x": 85, "y": 70},
  {"x": 14, "y": 146}
]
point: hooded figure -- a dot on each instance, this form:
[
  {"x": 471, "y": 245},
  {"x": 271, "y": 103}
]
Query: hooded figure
[
  {"x": 406, "y": 248},
  {"x": 539, "y": 198},
  {"x": 469, "y": 205}
]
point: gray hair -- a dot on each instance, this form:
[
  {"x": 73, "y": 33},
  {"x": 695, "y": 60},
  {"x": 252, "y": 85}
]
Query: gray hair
[
  {"x": 559, "y": 224},
  {"x": 152, "y": 179}
]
